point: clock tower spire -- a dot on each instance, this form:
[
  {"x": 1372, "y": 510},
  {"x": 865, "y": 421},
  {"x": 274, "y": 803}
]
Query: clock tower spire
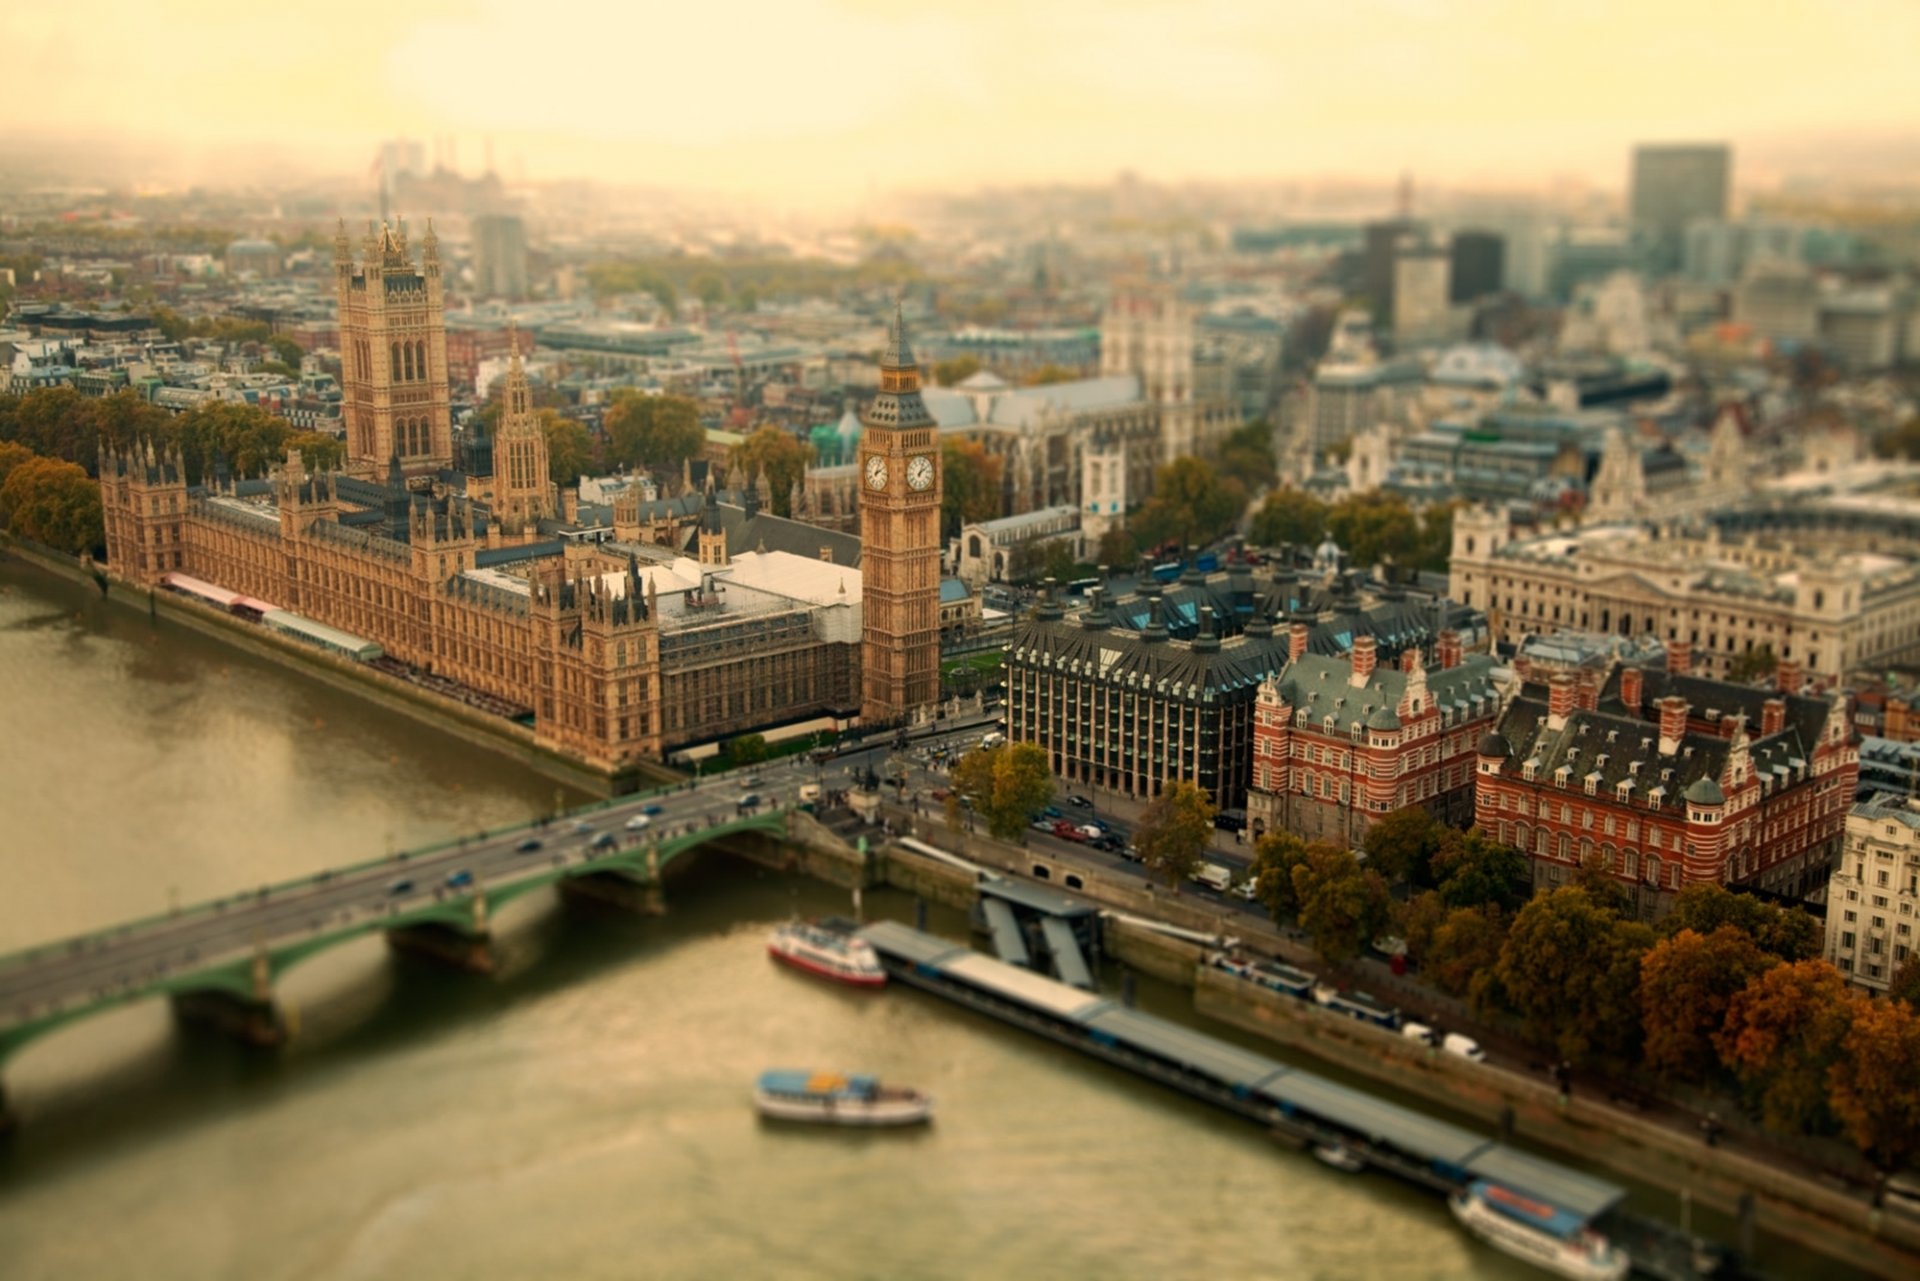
[{"x": 900, "y": 541}]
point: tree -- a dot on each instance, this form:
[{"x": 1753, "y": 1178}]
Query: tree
[
  {"x": 1275, "y": 855},
  {"x": 53, "y": 502},
  {"x": 1874, "y": 1089},
  {"x": 747, "y": 749},
  {"x": 1471, "y": 870},
  {"x": 1783, "y": 1035},
  {"x": 1008, "y": 785},
  {"x": 318, "y": 451},
  {"x": 1435, "y": 552},
  {"x": 569, "y": 447},
  {"x": 951, "y": 373},
  {"x": 1190, "y": 505},
  {"x": 1686, "y": 984},
  {"x": 1247, "y": 453},
  {"x": 1571, "y": 970},
  {"x": 1903, "y": 986},
  {"x": 1375, "y": 526},
  {"x": 1902, "y": 442},
  {"x": 1417, "y": 920},
  {"x": 1342, "y": 905},
  {"x": 1118, "y": 548},
  {"x": 1045, "y": 374},
  {"x": 1753, "y": 665},
  {"x": 1402, "y": 843},
  {"x": 1174, "y": 831},
  {"x": 1601, "y": 885},
  {"x": 653, "y": 433},
  {"x": 781, "y": 457},
  {"x": 1465, "y": 945},
  {"x": 11, "y": 456},
  {"x": 289, "y": 352},
  {"x": 1785, "y": 932},
  {"x": 247, "y": 436},
  {"x": 1289, "y": 517},
  {"x": 969, "y": 484}
]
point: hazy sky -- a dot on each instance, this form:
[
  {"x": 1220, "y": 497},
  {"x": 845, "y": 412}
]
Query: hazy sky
[{"x": 834, "y": 97}]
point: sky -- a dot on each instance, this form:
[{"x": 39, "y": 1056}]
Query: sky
[{"x": 813, "y": 100}]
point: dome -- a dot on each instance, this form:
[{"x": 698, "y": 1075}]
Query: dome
[
  {"x": 1704, "y": 791},
  {"x": 1383, "y": 717},
  {"x": 1491, "y": 744}
]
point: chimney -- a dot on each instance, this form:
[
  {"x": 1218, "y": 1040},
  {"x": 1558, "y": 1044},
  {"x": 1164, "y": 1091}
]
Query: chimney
[
  {"x": 1586, "y": 691},
  {"x": 1679, "y": 657},
  {"x": 1673, "y": 723},
  {"x": 1296, "y": 640},
  {"x": 1409, "y": 658},
  {"x": 1446, "y": 650},
  {"x": 1787, "y": 678},
  {"x": 1559, "y": 699},
  {"x": 1362, "y": 660},
  {"x": 570, "y": 505},
  {"x": 1632, "y": 684},
  {"x": 1523, "y": 668},
  {"x": 1773, "y": 716}
]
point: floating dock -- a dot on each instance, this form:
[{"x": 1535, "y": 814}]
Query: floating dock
[{"x": 1299, "y": 1105}]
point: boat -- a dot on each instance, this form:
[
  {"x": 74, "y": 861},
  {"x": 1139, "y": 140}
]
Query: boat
[
  {"x": 831, "y": 1098},
  {"x": 1340, "y": 1157},
  {"x": 830, "y": 953},
  {"x": 1538, "y": 1233}
]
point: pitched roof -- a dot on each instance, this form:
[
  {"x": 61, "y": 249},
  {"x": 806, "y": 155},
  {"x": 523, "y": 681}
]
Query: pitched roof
[{"x": 1323, "y": 686}]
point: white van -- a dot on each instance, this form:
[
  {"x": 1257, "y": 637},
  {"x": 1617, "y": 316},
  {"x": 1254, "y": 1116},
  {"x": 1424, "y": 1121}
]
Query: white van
[
  {"x": 1420, "y": 1032},
  {"x": 1465, "y": 1046},
  {"x": 1214, "y": 877},
  {"x": 990, "y": 741}
]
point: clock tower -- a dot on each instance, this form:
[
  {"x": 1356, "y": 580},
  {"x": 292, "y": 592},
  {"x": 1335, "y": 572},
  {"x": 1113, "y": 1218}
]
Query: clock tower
[{"x": 900, "y": 542}]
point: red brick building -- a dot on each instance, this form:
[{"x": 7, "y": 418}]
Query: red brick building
[
  {"x": 1667, "y": 779},
  {"x": 468, "y": 349},
  {"x": 1339, "y": 742}
]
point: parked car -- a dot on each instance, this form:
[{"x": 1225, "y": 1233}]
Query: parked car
[
  {"x": 459, "y": 880},
  {"x": 529, "y": 845},
  {"x": 638, "y": 822}
]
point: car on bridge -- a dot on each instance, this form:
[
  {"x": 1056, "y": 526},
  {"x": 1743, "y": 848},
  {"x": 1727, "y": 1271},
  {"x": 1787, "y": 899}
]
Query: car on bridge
[
  {"x": 401, "y": 886},
  {"x": 580, "y": 827},
  {"x": 459, "y": 880},
  {"x": 1079, "y": 802},
  {"x": 638, "y": 822},
  {"x": 653, "y": 811},
  {"x": 529, "y": 845}
]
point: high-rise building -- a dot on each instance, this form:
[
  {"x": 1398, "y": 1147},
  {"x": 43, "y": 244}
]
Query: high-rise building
[
  {"x": 1674, "y": 185},
  {"x": 500, "y": 256},
  {"x": 393, "y": 354},
  {"x": 1420, "y": 311},
  {"x": 1377, "y": 264},
  {"x": 900, "y": 542},
  {"x": 1479, "y": 265}
]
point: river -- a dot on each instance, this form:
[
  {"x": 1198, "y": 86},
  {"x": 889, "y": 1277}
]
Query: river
[{"x": 582, "y": 1113}]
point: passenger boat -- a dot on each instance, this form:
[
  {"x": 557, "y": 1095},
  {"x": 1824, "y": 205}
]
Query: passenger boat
[
  {"x": 829, "y": 953},
  {"x": 1542, "y": 1235},
  {"x": 832, "y": 1099},
  {"x": 1340, "y": 1157}
]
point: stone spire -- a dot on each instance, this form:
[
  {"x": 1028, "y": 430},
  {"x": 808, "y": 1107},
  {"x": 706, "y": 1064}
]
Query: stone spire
[{"x": 898, "y": 406}]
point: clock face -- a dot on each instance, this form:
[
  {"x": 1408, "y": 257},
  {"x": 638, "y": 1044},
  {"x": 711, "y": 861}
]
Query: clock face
[
  {"x": 876, "y": 472},
  {"x": 920, "y": 472}
]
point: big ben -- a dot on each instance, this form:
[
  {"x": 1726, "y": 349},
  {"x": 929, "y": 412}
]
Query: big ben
[{"x": 900, "y": 542}]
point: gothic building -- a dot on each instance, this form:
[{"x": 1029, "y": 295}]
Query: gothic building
[
  {"x": 521, "y": 493},
  {"x": 900, "y": 542},
  {"x": 393, "y": 354}
]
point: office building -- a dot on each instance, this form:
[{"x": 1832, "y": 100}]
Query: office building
[
  {"x": 1672, "y": 187},
  {"x": 499, "y": 256},
  {"x": 1478, "y": 265}
]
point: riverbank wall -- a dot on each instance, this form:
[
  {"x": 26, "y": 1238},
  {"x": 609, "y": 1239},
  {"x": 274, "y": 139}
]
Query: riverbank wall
[{"x": 388, "y": 692}]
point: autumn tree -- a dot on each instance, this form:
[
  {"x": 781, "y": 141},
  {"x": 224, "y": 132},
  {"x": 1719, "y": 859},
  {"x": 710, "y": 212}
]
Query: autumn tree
[
  {"x": 1571, "y": 970},
  {"x": 1289, "y": 517},
  {"x": 11, "y": 456},
  {"x": 1753, "y": 665},
  {"x": 1782, "y": 1037},
  {"x": 569, "y": 447},
  {"x": 1472, "y": 870},
  {"x": 1342, "y": 905},
  {"x": 1007, "y": 785},
  {"x": 747, "y": 749},
  {"x": 1686, "y": 984},
  {"x": 1118, "y": 548},
  {"x": 1464, "y": 947},
  {"x": 1045, "y": 374},
  {"x": 1275, "y": 855},
  {"x": 53, "y": 502},
  {"x": 247, "y": 436},
  {"x": 318, "y": 451},
  {"x": 1174, "y": 831},
  {"x": 783, "y": 459},
  {"x": 1417, "y": 920},
  {"x": 950, "y": 373},
  {"x": 1874, "y": 1089},
  {"x": 653, "y": 433},
  {"x": 1401, "y": 845},
  {"x": 1435, "y": 550},
  {"x": 1247, "y": 453},
  {"x": 1375, "y": 526},
  {"x": 1191, "y": 505},
  {"x": 1785, "y": 932},
  {"x": 1903, "y": 986},
  {"x": 969, "y": 484}
]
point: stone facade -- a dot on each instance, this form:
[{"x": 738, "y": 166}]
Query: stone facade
[
  {"x": 1873, "y": 900},
  {"x": 393, "y": 354}
]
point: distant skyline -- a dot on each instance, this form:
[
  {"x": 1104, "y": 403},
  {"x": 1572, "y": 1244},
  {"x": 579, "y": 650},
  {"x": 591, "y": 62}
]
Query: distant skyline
[{"x": 826, "y": 102}]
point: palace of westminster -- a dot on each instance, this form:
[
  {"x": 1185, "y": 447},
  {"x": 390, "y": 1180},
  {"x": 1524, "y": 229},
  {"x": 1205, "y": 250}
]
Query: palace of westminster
[{"x": 622, "y": 648}]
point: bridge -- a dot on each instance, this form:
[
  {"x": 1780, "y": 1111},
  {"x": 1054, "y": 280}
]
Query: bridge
[{"x": 219, "y": 961}]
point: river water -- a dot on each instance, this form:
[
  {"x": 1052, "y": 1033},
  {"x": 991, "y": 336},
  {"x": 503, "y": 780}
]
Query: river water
[{"x": 584, "y": 1112}]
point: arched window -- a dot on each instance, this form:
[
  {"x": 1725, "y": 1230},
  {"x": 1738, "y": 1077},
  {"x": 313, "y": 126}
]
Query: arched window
[
  {"x": 973, "y": 546},
  {"x": 396, "y": 362},
  {"x": 421, "y": 365}
]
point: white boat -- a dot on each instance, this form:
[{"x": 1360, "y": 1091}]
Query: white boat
[
  {"x": 829, "y": 953},
  {"x": 1340, "y": 1157},
  {"x": 830, "y": 1098},
  {"x": 1540, "y": 1234}
]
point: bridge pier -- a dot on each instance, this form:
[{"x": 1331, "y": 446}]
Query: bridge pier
[
  {"x": 470, "y": 952},
  {"x": 643, "y": 897},
  {"x": 9, "y": 1120},
  {"x": 255, "y": 1023}
]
